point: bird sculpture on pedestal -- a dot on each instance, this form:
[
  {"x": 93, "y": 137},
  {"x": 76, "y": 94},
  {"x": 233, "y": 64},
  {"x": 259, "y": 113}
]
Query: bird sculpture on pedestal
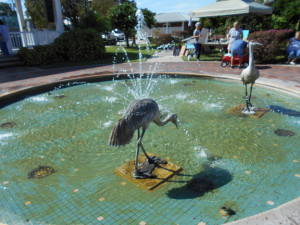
[
  {"x": 249, "y": 76},
  {"x": 139, "y": 114}
]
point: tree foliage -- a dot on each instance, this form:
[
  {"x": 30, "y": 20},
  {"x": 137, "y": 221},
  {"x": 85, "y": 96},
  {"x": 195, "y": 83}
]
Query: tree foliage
[
  {"x": 123, "y": 17},
  {"x": 6, "y": 9},
  {"x": 36, "y": 11},
  {"x": 72, "y": 10},
  {"x": 286, "y": 15},
  {"x": 102, "y": 6},
  {"x": 149, "y": 17}
]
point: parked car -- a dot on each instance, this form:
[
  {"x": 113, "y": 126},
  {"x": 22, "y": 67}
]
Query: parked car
[
  {"x": 118, "y": 34},
  {"x": 108, "y": 38}
]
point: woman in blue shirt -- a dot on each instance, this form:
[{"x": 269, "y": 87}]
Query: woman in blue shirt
[
  {"x": 234, "y": 34},
  {"x": 293, "y": 49},
  {"x": 4, "y": 36}
]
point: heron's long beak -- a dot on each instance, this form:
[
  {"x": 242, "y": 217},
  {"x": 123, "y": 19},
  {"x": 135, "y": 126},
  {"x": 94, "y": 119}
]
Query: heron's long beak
[{"x": 175, "y": 122}]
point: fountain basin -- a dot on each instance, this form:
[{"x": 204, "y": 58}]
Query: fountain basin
[{"x": 221, "y": 162}]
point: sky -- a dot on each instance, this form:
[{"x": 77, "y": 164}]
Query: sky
[
  {"x": 183, "y": 6},
  {"x": 159, "y": 6}
]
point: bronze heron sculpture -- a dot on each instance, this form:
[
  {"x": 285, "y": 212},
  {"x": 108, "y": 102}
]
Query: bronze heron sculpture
[
  {"x": 249, "y": 76},
  {"x": 139, "y": 114}
]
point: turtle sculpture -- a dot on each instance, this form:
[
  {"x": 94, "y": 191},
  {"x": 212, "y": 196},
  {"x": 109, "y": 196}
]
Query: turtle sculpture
[
  {"x": 8, "y": 125},
  {"x": 41, "y": 172},
  {"x": 225, "y": 211}
]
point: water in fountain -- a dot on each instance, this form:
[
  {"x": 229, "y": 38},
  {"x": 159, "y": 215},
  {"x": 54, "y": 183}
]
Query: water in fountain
[
  {"x": 240, "y": 156},
  {"x": 137, "y": 88}
]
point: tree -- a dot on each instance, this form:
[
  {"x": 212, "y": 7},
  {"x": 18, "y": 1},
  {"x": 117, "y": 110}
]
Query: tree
[
  {"x": 36, "y": 11},
  {"x": 72, "y": 10},
  {"x": 6, "y": 9},
  {"x": 149, "y": 18},
  {"x": 94, "y": 20},
  {"x": 102, "y": 6},
  {"x": 123, "y": 17},
  {"x": 288, "y": 14}
]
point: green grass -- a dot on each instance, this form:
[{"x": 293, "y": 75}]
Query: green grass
[
  {"x": 132, "y": 53},
  {"x": 113, "y": 54},
  {"x": 214, "y": 55}
]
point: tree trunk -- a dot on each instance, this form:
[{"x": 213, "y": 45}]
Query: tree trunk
[{"x": 127, "y": 41}]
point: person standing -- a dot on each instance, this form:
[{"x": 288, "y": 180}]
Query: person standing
[
  {"x": 197, "y": 35},
  {"x": 4, "y": 38},
  {"x": 237, "y": 48},
  {"x": 133, "y": 41},
  {"x": 234, "y": 34},
  {"x": 293, "y": 49}
]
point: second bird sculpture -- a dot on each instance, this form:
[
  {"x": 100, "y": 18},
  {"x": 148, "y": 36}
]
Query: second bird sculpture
[
  {"x": 249, "y": 76},
  {"x": 139, "y": 114}
]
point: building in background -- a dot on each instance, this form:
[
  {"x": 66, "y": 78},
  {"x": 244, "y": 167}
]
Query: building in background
[{"x": 174, "y": 22}]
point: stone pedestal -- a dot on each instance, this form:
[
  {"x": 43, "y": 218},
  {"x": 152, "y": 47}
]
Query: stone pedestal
[
  {"x": 163, "y": 174},
  {"x": 237, "y": 110}
]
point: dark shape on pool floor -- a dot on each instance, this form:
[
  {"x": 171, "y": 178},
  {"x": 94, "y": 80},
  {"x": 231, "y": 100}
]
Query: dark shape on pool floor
[
  {"x": 284, "y": 111},
  {"x": 200, "y": 185},
  {"x": 284, "y": 133},
  {"x": 188, "y": 84},
  {"x": 208, "y": 180},
  {"x": 225, "y": 211},
  {"x": 59, "y": 96},
  {"x": 8, "y": 125},
  {"x": 41, "y": 172}
]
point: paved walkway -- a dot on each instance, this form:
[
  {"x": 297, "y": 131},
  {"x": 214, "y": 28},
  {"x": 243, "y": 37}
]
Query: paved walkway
[
  {"x": 13, "y": 79},
  {"x": 281, "y": 76},
  {"x": 165, "y": 56}
]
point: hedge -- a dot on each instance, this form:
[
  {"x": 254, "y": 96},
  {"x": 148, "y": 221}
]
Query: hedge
[
  {"x": 273, "y": 44},
  {"x": 75, "y": 45}
]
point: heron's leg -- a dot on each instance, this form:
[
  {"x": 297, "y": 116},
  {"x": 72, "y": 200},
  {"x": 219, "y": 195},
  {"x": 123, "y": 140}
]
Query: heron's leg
[
  {"x": 137, "y": 154},
  {"x": 250, "y": 95},
  {"x": 140, "y": 141},
  {"x": 147, "y": 156},
  {"x": 246, "y": 97}
]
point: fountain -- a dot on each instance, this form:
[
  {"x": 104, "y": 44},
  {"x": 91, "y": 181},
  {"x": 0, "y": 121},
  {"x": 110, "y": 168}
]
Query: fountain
[{"x": 231, "y": 163}]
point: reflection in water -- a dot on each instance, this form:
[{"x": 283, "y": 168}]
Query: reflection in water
[{"x": 284, "y": 111}]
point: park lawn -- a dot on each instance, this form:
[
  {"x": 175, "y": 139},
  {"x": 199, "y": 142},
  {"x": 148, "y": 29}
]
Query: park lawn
[
  {"x": 117, "y": 54},
  {"x": 214, "y": 55}
]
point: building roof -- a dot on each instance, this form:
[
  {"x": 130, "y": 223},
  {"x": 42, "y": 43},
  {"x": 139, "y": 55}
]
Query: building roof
[{"x": 172, "y": 17}]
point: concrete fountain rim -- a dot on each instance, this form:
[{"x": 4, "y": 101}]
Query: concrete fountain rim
[{"x": 19, "y": 94}]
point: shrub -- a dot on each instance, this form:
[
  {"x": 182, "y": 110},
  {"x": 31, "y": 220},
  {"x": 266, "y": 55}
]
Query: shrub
[
  {"x": 162, "y": 39},
  {"x": 74, "y": 45},
  {"x": 181, "y": 34},
  {"x": 273, "y": 44}
]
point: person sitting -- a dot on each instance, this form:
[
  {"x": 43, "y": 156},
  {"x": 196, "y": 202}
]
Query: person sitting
[
  {"x": 4, "y": 37},
  {"x": 234, "y": 34},
  {"x": 237, "y": 48},
  {"x": 293, "y": 49}
]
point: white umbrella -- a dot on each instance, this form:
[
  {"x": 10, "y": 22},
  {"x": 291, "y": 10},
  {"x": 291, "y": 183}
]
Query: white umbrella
[{"x": 231, "y": 7}]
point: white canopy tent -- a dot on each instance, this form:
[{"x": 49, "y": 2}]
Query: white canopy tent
[{"x": 231, "y": 7}]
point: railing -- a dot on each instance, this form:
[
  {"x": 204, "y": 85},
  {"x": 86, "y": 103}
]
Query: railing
[{"x": 30, "y": 39}]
